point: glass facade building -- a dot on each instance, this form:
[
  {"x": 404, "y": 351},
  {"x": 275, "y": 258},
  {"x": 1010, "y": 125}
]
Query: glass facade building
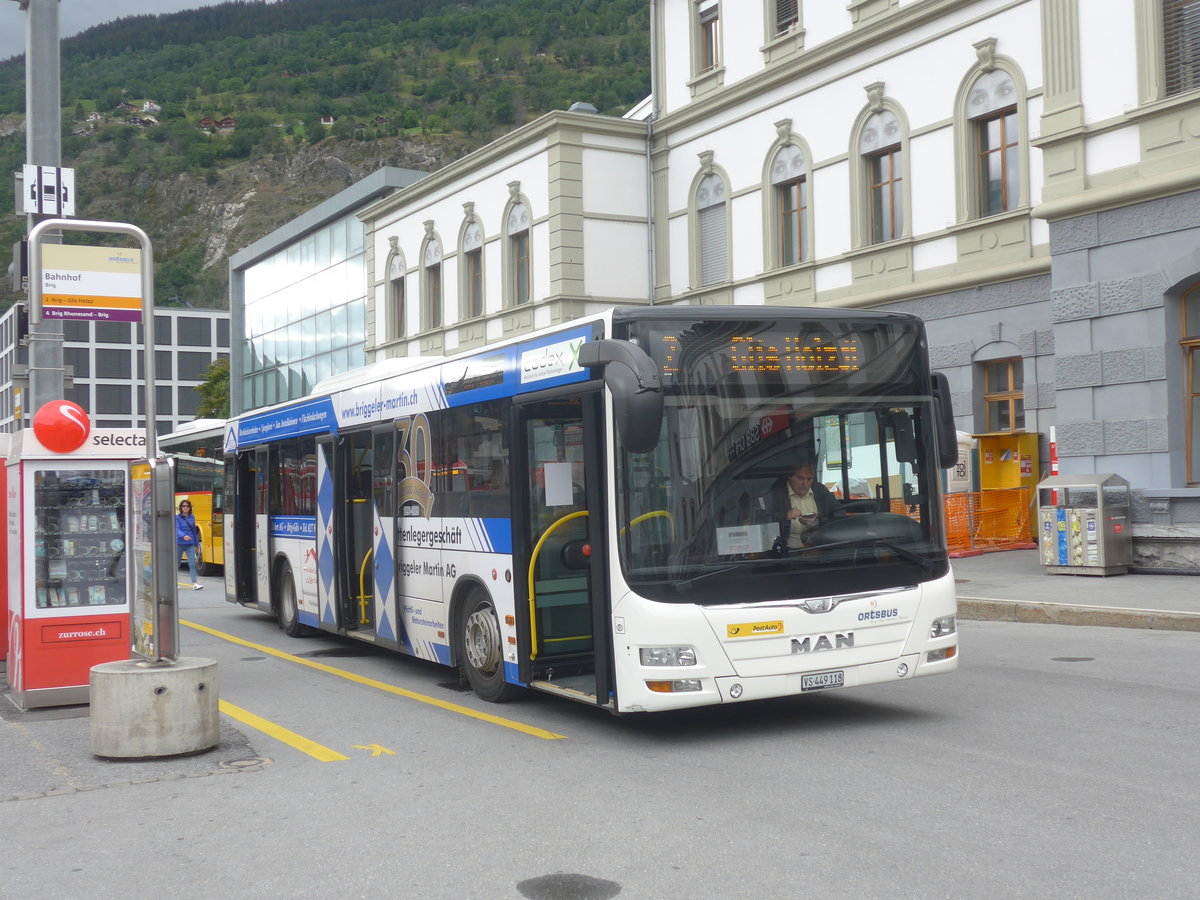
[
  {"x": 298, "y": 298},
  {"x": 306, "y": 314}
]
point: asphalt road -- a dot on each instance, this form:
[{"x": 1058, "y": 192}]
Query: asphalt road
[{"x": 1059, "y": 761}]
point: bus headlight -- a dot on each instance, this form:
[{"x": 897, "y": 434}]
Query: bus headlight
[
  {"x": 668, "y": 656},
  {"x": 942, "y": 627}
]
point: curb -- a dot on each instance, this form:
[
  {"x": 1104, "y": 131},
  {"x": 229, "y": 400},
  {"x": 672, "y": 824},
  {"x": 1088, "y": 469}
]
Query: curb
[{"x": 983, "y": 609}]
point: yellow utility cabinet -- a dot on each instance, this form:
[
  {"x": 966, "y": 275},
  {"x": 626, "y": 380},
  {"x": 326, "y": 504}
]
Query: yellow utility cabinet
[{"x": 1008, "y": 459}]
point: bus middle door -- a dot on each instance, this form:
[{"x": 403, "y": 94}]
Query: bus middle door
[
  {"x": 566, "y": 646},
  {"x": 262, "y": 528}
]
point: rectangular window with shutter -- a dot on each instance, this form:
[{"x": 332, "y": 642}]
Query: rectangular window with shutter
[
  {"x": 1181, "y": 45},
  {"x": 710, "y": 48},
  {"x": 787, "y": 15}
]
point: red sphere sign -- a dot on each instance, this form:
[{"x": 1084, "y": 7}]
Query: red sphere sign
[{"x": 61, "y": 426}]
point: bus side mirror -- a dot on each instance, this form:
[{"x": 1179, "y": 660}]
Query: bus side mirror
[
  {"x": 636, "y": 388},
  {"x": 943, "y": 414}
]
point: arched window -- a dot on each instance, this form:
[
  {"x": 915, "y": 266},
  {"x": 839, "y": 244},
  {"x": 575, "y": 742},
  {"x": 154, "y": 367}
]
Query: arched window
[
  {"x": 471, "y": 270},
  {"x": 395, "y": 296},
  {"x": 431, "y": 275},
  {"x": 880, "y": 145},
  {"x": 712, "y": 229},
  {"x": 789, "y": 187},
  {"x": 517, "y": 259},
  {"x": 992, "y": 113}
]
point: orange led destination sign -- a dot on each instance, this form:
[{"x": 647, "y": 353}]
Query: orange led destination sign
[{"x": 791, "y": 354}]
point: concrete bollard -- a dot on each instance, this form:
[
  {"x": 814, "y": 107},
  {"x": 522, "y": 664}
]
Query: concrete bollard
[{"x": 141, "y": 710}]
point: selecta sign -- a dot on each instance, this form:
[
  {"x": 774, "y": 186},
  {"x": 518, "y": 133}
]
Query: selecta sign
[{"x": 80, "y": 282}]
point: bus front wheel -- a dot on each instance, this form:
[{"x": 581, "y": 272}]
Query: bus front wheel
[
  {"x": 289, "y": 608},
  {"x": 481, "y": 649}
]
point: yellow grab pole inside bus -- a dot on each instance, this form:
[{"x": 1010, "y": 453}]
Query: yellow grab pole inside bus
[{"x": 533, "y": 564}]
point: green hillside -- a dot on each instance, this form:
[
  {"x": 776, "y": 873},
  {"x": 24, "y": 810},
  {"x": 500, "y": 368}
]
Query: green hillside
[{"x": 414, "y": 83}]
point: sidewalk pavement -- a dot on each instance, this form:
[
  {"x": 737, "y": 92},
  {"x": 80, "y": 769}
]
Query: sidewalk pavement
[{"x": 1012, "y": 586}]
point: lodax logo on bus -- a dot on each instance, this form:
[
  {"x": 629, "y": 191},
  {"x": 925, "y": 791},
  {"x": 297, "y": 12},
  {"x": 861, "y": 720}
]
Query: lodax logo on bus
[{"x": 551, "y": 361}]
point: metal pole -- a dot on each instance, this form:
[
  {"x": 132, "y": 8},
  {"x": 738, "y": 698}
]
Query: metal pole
[
  {"x": 35, "y": 299},
  {"x": 43, "y": 147}
]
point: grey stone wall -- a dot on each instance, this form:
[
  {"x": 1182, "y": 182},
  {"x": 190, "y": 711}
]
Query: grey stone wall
[{"x": 1119, "y": 392}]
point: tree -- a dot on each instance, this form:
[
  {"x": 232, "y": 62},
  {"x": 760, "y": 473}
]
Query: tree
[{"x": 214, "y": 393}]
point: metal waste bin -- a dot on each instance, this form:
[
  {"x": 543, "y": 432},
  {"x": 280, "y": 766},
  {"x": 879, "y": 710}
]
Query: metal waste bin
[{"x": 1085, "y": 527}]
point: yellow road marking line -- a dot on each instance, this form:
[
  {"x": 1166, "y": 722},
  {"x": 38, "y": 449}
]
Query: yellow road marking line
[
  {"x": 531, "y": 730},
  {"x": 301, "y": 743}
]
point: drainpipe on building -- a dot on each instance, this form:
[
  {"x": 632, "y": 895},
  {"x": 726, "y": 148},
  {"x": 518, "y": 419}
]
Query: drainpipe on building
[{"x": 650, "y": 261}]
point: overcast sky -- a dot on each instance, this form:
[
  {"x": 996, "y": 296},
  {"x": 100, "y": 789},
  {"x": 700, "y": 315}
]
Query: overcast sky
[{"x": 75, "y": 16}]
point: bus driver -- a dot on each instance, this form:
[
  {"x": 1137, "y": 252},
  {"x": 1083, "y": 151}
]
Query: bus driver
[{"x": 799, "y": 502}]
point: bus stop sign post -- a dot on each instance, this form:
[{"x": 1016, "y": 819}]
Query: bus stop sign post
[{"x": 156, "y": 587}]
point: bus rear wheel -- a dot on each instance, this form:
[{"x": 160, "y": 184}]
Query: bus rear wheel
[
  {"x": 481, "y": 650},
  {"x": 289, "y": 608}
]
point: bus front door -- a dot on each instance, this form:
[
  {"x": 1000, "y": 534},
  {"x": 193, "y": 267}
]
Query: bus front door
[{"x": 561, "y": 563}]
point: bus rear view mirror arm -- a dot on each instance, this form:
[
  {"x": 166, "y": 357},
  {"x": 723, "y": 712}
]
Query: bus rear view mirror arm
[{"x": 636, "y": 388}]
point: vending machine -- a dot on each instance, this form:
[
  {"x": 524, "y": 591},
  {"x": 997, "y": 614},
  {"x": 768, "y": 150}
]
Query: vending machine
[{"x": 68, "y": 570}]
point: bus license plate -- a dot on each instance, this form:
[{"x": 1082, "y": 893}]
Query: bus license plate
[{"x": 822, "y": 680}]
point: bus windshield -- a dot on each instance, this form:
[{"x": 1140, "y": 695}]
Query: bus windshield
[{"x": 796, "y": 460}]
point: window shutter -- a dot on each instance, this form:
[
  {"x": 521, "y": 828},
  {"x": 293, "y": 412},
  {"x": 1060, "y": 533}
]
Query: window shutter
[
  {"x": 712, "y": 244},
  {"x": 785, "y": 15},
  {"x": 1181, "y": 44}
]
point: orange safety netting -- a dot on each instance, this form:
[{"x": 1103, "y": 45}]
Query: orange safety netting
[{"x": 978, "y": 521}]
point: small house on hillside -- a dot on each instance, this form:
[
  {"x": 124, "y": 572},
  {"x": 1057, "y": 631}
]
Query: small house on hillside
[
  {"x": 151, "y": 107},
  {"x": 227, "y": 125},
  {"x": 208, "y": 123},
  {"x": 328, "y": 120}
]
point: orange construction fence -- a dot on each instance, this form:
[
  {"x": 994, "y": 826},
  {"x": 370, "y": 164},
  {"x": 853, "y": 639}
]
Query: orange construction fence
[{"x": 979, "y": 521}]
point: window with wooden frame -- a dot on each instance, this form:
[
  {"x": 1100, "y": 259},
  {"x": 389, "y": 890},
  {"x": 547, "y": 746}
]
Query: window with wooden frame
[
  {"x": 472, "y": 271},
  {"x": 992, "y": 110},
  {"x": 395, "y": 297},
  {"x": 1189, "y": 327},
  {"x": 520, "y": 277},
  {"x": 431, "y": 269},
  {"x": 1181, "y": 45},
  {"x": 789, "y": 180},
  {"x": 709, "y": 35},
  {"x": 880, "y": 146},
  {"x": 1004, "y": 395}
]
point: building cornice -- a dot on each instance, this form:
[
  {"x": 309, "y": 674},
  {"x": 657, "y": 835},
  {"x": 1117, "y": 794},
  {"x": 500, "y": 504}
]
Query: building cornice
[
  {"x": 553, "y": 128},
  {"x": 820, "y": 57}
]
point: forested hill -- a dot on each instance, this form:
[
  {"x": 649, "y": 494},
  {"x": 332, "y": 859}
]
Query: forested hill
[{"x": 413, "y": 83}]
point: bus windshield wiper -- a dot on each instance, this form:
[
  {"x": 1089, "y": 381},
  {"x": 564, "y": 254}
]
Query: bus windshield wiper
[
  {"x": 904, "y": 552},
  {"x": 687, "y": 584}
]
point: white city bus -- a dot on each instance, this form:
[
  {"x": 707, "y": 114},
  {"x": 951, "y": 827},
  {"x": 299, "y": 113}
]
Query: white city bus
[{"x": 589, "y": 511}]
